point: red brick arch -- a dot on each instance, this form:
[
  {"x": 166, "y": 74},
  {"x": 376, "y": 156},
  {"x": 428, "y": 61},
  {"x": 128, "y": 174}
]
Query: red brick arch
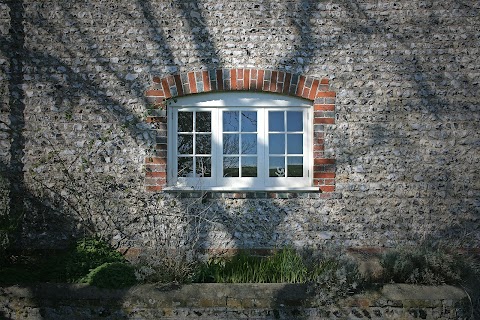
[{"x": 259, "y": 80}]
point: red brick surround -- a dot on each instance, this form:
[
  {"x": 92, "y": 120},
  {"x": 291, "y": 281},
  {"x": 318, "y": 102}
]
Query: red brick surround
[{"x": 260, "y": 80}]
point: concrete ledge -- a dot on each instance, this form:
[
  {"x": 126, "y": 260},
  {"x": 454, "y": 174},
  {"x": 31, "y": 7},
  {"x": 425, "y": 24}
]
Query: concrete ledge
[{"x": 219, "y": 301}]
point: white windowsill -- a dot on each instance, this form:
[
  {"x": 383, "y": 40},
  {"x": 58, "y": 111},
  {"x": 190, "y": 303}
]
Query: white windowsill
[{"x": 226, "y": 189}]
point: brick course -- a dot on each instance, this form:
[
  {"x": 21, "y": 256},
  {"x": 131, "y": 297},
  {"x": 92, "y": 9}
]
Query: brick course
[{"x": 274, "y": 81}]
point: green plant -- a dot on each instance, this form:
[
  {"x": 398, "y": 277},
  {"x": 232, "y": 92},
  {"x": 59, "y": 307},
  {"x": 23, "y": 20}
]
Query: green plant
[
  {"x": 285, "y": 265},
  {"x": 424, "y": 265},
  {"x": 336, "y": 275},
  {"x": 88, "y": 254},
  {"x": 113, "y": 275},
  {"x": 71, "y": 266},
  {"x": 166, "y": 266}
]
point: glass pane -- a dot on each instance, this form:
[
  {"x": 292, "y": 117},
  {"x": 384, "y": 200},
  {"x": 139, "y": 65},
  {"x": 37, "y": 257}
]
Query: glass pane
[
  {"x": 295, "y": 166},
  {"x": 185, "y": 167},
  {"x": 276, "y": 121},
  {"x": 203, "y": 121},
  {"x": 185, "y": 121},
  {"x": 276, "y": 143},
  {"x": 203, "y": 167},
  {"x": 295, "y": 143},
  {"x": 231, "y": 143},
  {"x": 203, "y": 144},
  {"x": 277, "y": 167},
  {"x": 185, "y": 144},
  {"x": 230, "y": 167},
  {"x": 249, "y": 166},
  {"x": 230, "y": 121},
  {"x": 294, "y": 121},
  {"x": 249, "y": 121},
  {"x": 249, "y": 144}
]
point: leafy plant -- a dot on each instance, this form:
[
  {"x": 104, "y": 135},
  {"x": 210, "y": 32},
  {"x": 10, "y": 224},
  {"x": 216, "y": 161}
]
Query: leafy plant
[
  {"x": 88, "y": 254},
  {"x": 112, "y": 275},
  {"x": 423, "y": 265},
  {"x": 75, "y": 265},
  {"x": 166, "y": 266},
  {"x": 336, "y": 275}
]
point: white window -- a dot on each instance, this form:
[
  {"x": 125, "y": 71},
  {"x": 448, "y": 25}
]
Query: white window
[{"x": 240, "y": 141}]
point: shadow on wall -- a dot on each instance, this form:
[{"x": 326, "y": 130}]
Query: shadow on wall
[
  {"x": 74, "y": 89},
  {"x": 428, "y": 146},
  {"x": 13, "y": 172}
]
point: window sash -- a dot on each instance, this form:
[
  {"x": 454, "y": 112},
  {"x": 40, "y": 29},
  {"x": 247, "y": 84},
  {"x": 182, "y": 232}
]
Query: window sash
[{"x": 262, "y": 181}]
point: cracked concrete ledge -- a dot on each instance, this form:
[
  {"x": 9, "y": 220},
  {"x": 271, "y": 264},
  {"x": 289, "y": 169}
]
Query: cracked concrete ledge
[{"x": 231, "y": 301}]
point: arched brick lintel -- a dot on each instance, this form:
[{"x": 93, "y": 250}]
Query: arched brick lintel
[{"x": 260, "y": 80}]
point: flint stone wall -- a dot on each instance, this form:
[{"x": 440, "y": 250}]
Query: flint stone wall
[
  {"x": 406, "y": 141},
  {"x": 228, "y": 301}
]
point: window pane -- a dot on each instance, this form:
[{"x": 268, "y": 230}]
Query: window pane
[
  {"x": 295, "y": 143},
  {"x": 231, "y": 143},
  {"x": 249, "y": 144},
  {"x": 295, "y": 166},
  {"x": 276, "y": 143},
  {"x": 277, "y": 167},
  {"x": 185, "y": 144},
  {"x": 294, "y": 121},
  {"x": 249, "y": 121},
  {"x": 203, "y": 120},
  {"x": 276, "y": 121},
  {"x": 249, "y": 166},
  {"x": 185, "y": 121},
  {"x": 231, "y": 167},
  {"x": 185, "y": 166},
  {"x": 230, "y": 121},
  {"x": 203, "y": 167},
  {"x": 203, "y": 144}
]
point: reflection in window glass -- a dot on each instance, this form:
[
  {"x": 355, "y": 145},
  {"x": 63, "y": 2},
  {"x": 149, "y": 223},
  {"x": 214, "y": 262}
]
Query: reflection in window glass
[
  {"x": 294, "y": 121},
  {"x": 203, "y": 166},
  {"x": 241, "y": 141},
  {"x": 194, "y": 139},
  {"x": 203, "y": 144},
  {"x": 294, "y": 167},
  {"x": 185, "y": 122},
  {"x": 286, "y": 143},
  {"x": 276, "y": 121},
  {"x": 276, "y": 143},
  {"x": 277, "y": 167},
  {"x": 231, "y": 121},
  {"x": 249, "y": 144},
  {"x": 241, "y": 147},
  {"x": 231, "y": 167},
  {"x": 249, "y": 121},
  {"x": 230, "y": 143},
  {"x": 249, "y": 166},
  {"x": 294, "y": 143},
  {"x": 185, "y": 166},
  {"x": 203, "y": 121},
  {"x": 185, "y": 144}
]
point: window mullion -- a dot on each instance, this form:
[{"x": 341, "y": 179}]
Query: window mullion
[
  {"x": 262, "y": 145},
  {"x": 217, "y": 161}
]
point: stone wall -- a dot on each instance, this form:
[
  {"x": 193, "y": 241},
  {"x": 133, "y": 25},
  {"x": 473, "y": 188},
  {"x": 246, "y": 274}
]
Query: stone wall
[
  {"x": 228, "y": 301},
  {"x": 74, "y": 134}
]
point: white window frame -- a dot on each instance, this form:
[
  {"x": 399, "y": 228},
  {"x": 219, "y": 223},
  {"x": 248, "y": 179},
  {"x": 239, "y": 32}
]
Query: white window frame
[{"x": 236, "y": 101}]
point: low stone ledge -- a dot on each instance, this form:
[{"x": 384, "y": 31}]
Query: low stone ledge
[{"x": 217, "y": 301}]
